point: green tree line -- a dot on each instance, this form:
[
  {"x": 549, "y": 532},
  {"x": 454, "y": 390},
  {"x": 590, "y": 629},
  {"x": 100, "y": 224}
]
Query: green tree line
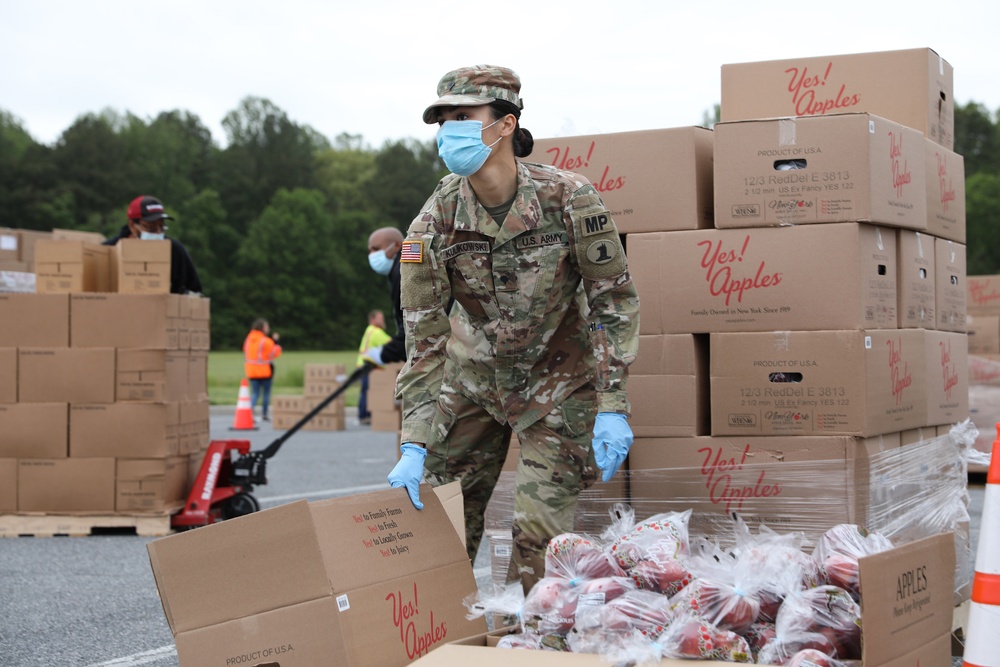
[{"x": 278, "y": 220}]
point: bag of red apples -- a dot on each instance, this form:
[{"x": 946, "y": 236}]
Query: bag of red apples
[{"x": 645, "y": 591}]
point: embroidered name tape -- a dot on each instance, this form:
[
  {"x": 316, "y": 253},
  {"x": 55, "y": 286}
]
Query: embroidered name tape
[
  {"x": 465, "y": 248},
  {"x": 412, "y": 251}
]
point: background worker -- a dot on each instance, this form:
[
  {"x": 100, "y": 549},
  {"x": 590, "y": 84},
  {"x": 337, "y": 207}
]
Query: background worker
[
  {"x": 374, "y": 337},
  {"x": 260, "y": 349},
  {"x": 383, "y": 257},
  {"x": 146, "y": 216},
  {"x": 517, "y": 247}
]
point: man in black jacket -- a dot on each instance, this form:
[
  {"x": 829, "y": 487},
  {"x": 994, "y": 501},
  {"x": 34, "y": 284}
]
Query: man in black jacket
[
  {"x": 383, "y": 256},
  {"x": 146, "y": 217}
]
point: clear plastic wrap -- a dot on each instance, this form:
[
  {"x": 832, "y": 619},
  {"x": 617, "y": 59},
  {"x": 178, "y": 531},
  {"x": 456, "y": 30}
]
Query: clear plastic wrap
[
  {"x": 651, "y": 552},
  {"x": 839, "y": 550}
]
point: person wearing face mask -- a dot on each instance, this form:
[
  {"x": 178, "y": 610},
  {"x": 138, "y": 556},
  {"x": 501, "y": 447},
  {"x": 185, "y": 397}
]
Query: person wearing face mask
[
  {"x": 383, "y": 258},
  {"x": 147, "y": 221},
  {"x": 543, "y": 324}
]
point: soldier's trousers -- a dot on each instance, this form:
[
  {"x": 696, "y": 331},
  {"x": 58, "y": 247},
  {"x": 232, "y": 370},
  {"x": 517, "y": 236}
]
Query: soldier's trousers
[{"x": 556, "y": 463}]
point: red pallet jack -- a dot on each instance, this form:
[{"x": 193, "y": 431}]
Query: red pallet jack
[{"x": 224, "y": 484}]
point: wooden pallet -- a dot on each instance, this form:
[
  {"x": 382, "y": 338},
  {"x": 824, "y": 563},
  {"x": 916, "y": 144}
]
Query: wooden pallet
[{"x": 52, "y": 525}]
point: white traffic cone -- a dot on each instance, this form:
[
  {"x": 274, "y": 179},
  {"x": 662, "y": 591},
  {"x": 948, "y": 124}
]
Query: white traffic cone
[{"x": 982, "y": 645}]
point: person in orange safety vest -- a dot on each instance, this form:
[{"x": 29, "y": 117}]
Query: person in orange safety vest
[{"x": 260, "y": 349}]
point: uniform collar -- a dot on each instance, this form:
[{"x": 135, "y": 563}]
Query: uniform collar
[{"x": 524, "y": 213}]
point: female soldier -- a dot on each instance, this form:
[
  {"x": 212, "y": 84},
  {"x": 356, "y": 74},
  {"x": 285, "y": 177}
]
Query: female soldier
[{"x": 542, "y": 330}]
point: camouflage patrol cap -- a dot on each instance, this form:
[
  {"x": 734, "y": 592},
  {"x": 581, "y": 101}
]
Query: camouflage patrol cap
[{"x": 475, "y": 86}]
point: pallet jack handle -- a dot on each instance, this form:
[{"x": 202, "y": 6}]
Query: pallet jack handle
[{"x": 358, "y": 373}]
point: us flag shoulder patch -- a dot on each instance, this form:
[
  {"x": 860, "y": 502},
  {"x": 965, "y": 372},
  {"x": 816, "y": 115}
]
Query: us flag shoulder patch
[{"x": 412, "y": 251}]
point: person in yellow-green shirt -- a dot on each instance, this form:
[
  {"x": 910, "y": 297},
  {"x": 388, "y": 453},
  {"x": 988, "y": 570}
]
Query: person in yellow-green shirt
[{"x": 375, "y": 336}]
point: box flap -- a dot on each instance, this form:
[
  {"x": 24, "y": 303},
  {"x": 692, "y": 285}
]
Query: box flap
[
  {"x": 240, "y": 567},
  {"x": 453, "y": 501},
  {"x": 384, "y": 535},
  {"x": 136, "y": 250},
  {"x": 907, "y": 596}
]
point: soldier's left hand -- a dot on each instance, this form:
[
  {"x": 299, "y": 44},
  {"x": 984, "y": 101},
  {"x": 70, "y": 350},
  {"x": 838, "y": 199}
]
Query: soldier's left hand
[{"x": 612, "y": 440}]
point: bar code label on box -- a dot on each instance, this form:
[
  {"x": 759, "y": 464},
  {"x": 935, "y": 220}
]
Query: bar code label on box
[
  {"x": 343, "y": 604},
  {"x": 502, "y": 550}
]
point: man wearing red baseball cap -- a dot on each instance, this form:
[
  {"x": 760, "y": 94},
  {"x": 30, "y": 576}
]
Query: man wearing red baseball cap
[{"x": 146, "y": 220}]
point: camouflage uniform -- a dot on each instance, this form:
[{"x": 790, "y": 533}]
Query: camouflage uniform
[{"x": 543, "y": 327}]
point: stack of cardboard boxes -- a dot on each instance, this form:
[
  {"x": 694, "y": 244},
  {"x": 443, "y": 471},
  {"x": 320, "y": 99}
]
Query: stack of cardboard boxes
[
  {"x": 984, "y": 360},
  {"x": 103, "y": 396},
  {"x": 386, "y": 411},
  {"x": 319, "y": 381}
]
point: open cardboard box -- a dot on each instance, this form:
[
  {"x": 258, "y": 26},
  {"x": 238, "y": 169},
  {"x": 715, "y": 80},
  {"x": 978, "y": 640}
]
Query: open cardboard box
[
  {"x": 906, "y": 612},
  {"x": 363, "y": 580}
]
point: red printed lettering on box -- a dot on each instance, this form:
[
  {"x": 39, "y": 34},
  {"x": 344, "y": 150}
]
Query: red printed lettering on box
[
  {"x": 562, "y": 159},
  {"x": 719, "y": 482},
  {"x": 949, "y": 373},
  {"x": 900, "y": 374},
  {"x": 804, "y": 93},
  {"x": 417, "y": 642},
  {"x": 719, "y": 273},
  {"x": 944, "y": 181},
  {"x": 900, "y": 173}
]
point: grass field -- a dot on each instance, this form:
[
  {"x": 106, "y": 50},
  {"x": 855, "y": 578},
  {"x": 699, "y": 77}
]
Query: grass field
[{"x": 225, "y": 371}]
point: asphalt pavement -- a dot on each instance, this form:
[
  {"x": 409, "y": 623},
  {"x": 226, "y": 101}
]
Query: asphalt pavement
[{"x": 92, "y": 601}]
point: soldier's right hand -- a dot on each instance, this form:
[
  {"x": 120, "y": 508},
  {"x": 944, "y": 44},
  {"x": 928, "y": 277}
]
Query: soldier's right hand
[{"x": 409, "y": 471}]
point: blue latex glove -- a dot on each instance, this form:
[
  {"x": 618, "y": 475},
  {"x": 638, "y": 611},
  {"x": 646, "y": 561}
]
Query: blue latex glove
[
  {"x": 374, "y": 355},
  {"x": 409, "y": 471},
  {"x": 612, "y": 439}
]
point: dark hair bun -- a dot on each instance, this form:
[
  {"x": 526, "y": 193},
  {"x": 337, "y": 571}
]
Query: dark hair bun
[{"x": 524, "y": 143}]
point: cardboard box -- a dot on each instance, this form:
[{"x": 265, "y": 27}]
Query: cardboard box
[
  {"x": 983, "y": 295},
  {"x": 945, "y": 193},
  {"x": 131, "y": 430},
  {"x": 860, "y": 383},
  {"x": 71, "y": 266},
  {"x": 360, "y": 580},
  {"x": 913, "y": 87},
  {"x": 199, "y": 311},
  {"x": 66, "y": 375},
  {"x": 39, "y": 320},
  {"x": 668, "y": 386},
  {"x": 282, "y": 420},
  {"x": 138, "y": 321},
  {"x": 915, "y": 279},
  {"x": 193, "y": 430},
  {"x": 386, "y": 420},
  {"x": 765, "y": 279},
  {"x": 150, "y": 485},
  {"x": 34, "y": 430},
  {"x": 66, "y": 485},
  {"x": 984, "y": 334},
  {"x": 902, "y": 623},
  {"x": 947, "y": 377},
  {"x": 141, "y": 267},
  {"x": 635, "y": 172},
  {"x": 8, "y": 485},
  {"x": 197, "y": 374},
  {"x": 8, "y": 375},
  {"x": 801, "y": 484},
  {"x": 840, "y": 168},
  {"x": 382, "y": 387},
  {"x": 152, "y": 376},
  {"x": 950, "y": 289}
]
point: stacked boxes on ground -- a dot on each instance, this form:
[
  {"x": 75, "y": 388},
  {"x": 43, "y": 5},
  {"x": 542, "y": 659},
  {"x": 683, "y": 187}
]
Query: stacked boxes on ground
[
  {"x": 385, "y": 409},
  {"x": 318, "y": 382},
  {"x": 103, "y": 396},
  {"x": 984, "y": 360}
]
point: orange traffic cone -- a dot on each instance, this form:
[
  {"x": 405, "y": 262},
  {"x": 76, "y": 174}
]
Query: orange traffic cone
[
  {"x": 244, "y": 413},
  {"x": 983, "y": 640}
]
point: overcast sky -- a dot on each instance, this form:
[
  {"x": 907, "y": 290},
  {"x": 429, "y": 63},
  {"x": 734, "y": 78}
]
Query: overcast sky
[{"x": 368, "y": 67}]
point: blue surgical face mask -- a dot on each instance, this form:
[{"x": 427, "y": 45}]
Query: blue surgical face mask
[
  {"x": 460, "y": 145},
  {"x": 380, "y": 262},
  {"x": 150, "y": 236}
]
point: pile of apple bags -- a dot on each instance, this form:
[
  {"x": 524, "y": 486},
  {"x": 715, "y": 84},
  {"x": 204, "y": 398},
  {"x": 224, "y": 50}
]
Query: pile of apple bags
[{"x": 645, "y": 591}]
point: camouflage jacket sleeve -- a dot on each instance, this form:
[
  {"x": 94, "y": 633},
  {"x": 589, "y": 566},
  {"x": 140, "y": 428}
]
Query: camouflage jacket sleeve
[
  {"x": 611, "y": 296},
  {"x": 424, "y": 291}
]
